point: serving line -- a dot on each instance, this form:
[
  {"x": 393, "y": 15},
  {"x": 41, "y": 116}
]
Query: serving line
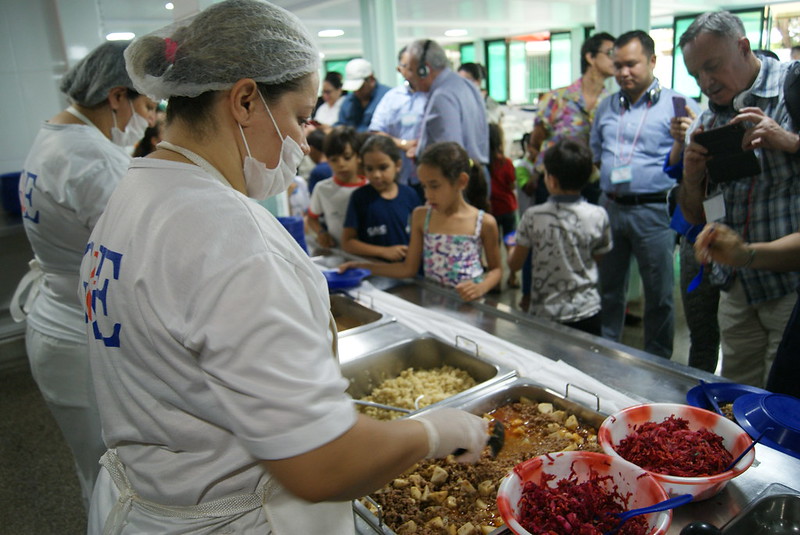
[{"x": 620, "y": 375}]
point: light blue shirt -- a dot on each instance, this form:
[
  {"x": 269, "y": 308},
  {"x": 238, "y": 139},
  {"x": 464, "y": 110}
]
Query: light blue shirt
[
  {"x": 638, "y": 138},
  {"x": 456, "y": 112},
  {"x": 399, "y": 114}
]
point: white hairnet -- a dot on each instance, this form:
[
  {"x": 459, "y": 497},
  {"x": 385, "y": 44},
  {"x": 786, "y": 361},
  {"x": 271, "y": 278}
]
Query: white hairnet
[
  {"x": 102, "y": 69},
  {"x": 224, "y": 43}
]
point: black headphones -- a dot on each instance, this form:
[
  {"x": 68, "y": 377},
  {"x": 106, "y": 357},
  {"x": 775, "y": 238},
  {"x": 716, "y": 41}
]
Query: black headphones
[
  {"x": 422, "y": 69},
  {"x": 652, "y": 96}
]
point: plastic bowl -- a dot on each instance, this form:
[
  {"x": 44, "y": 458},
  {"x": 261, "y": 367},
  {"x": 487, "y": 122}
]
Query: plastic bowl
[
  {"x": 349, "y": 279},
  {"x": 619, "y": 425},
  {"x": 780, "y": 412},
  {"x": 629, "y": 479}
]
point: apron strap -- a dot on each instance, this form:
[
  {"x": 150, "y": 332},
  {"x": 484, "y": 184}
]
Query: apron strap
[
  {"x": 220, "y": 508},
  {"x": 30, "y": 283}
]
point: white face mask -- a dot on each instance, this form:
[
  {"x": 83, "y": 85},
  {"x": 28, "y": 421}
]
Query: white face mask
[
  {"x": 261, "y": 182},
  {"x": 134, "y": 131}
]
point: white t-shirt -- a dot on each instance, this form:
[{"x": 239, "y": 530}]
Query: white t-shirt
[
  {"x": 564, "y": 235},
  {"x": 329, "y": 115},
  {"x": 222, "y": 356},
  {"x": 68, "y": 176},
  {"x": 330, "y": 199}
]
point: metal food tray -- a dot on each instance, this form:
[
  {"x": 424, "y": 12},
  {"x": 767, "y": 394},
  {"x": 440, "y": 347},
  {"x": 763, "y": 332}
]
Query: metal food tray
[
  {"x": 481, "y": 402},
  {"x": 775, "y": 512},
  {"x": 424, "y": 352},
  {"x": 353, "y": 317}
]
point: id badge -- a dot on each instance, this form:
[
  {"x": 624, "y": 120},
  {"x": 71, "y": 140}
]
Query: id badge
[
  {"x": 714, "y": 207},
  {"x": 621, "y": 175}
]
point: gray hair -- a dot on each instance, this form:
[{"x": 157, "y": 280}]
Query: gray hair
[
  {"x": 90, "y": 80},
  {"x": 434, "y": 56},
  {"x": 720, "y": 23},
  {"x": 221, "y": 45}
]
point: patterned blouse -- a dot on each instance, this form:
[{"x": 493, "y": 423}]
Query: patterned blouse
[{"x": 452, "y": 258}]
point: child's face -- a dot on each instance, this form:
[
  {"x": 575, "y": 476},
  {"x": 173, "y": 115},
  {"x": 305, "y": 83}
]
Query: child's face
[
  {"x": 381, "y": 170},
  {"x": 345, "y": 165},
  {"x": 439, "y": 192}
]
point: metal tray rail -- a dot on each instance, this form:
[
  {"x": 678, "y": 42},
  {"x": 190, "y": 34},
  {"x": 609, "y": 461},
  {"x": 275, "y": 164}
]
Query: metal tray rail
[{"x": 481, "y": 402}]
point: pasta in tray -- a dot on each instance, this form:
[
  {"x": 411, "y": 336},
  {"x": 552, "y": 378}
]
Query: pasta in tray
[{"x": 434, "y": 385}]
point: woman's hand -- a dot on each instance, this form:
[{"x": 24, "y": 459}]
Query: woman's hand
[
  {"x": 394, "y": 253},
  {"x": 719, "y": 243}
]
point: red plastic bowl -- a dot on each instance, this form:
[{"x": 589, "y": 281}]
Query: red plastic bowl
[
  {"x": 644, "y": 490},
  {"x": 619, "y": 425}
]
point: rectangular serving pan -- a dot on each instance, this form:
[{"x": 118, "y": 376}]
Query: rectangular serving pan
[
  {"x": 424, "y": 352},
  {"x": 778, "y": 514},
  {"x": 353, "y": 317},
  {"x": 486, "y": 400}
]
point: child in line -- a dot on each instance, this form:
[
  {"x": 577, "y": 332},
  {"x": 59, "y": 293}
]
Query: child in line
[
  {"x": 448, "y": 236},
  {"x": 503, "y": 198},
  {"x": 321, "y": 169},
  {"x": 567, "y": 237},
  {"x": 332, "y": 195},
  {"x": 378, "y": 221}
]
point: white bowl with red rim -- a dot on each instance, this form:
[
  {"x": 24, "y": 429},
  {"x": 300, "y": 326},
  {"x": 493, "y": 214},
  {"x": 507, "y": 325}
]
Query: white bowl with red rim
[
  {"x": 630, "y": 480},
  {"x": 619, "y": 425}
]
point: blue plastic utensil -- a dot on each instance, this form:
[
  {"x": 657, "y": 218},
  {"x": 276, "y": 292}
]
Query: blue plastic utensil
[
  {"x": 747, "y": 449},
  {"x": 710, "y": 397},
  {"x": 696, "y": 280},
  {"x": 672, "y": 503}
]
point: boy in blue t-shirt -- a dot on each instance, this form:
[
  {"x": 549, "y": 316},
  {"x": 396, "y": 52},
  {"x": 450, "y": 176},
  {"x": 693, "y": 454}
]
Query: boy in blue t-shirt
[{"x": 378, "y": 221}]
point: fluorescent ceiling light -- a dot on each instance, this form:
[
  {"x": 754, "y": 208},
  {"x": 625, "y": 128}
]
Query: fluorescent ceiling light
[
  {"x": 331, "y": 33},
  {"x": 457, "y": 32},
  {"x": 120, "y": 36},
  {"x": 169, "y": 5}
]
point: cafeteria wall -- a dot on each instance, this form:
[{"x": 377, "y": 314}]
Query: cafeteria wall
[{"x": 33, "y": 58}]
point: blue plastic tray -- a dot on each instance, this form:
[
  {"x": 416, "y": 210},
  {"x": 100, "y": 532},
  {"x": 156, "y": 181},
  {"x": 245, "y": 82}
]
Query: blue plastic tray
[
  {"x": 722, "y": 392},
  {"x": 757, "y": 412},
  {"x": 349, "y": 279}
]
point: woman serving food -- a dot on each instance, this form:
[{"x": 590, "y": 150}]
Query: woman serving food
[{"x": 209, "y": 328}]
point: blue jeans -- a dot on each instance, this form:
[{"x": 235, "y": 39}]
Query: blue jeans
[{"x": 642, "y": 230}]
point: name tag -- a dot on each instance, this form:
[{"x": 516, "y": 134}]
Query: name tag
[
  {"x": 714, "y": 208},
  {"x": 620, "y": 175}
]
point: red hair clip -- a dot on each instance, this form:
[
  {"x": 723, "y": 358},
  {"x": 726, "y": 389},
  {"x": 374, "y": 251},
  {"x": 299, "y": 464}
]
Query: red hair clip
[{"x": 170, "y": 50}]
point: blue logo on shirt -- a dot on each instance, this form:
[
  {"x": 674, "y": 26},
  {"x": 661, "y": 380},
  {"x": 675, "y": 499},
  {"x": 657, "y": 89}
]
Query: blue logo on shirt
[
  {"x": 104, "y": 262},
  {"x": 27, "y": 185}
]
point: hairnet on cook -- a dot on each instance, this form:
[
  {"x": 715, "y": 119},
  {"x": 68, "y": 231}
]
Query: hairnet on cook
[
  {"x": 89, "y": 81},
  {"x": 224, "y": 43}
]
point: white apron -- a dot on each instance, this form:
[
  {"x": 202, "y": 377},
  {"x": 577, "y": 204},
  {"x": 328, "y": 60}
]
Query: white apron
[
  {"x": 283, "y": 513},
  {"x": 29, "y": 284}
]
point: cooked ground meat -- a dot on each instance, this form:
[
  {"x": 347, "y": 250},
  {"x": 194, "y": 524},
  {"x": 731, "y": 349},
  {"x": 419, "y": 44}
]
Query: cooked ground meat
[{"x": 442, "y": 496}]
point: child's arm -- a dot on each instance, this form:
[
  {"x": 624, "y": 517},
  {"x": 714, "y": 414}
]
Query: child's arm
[
  {"x": 408, "y": 267},
  {"x": 352, "y": 245},
  {"x": 490, "y": 239},
  {"x": 517, "y": 257},
  {"x": 324, "y": 238}
]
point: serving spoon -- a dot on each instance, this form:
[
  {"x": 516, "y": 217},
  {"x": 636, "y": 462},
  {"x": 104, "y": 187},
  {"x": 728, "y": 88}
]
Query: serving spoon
[{"x": 656, "y": 507}]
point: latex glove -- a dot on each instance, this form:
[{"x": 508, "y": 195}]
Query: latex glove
[{"x": 451, "y": 429}]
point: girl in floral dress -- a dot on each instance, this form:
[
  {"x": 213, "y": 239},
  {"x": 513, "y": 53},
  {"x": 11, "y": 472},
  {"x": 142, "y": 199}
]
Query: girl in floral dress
[{"x": 450, "y": 238}]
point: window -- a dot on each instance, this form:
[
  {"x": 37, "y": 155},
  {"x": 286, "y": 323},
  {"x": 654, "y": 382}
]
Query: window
[
  {"x": 497, "y": 67},
  {"x": 560, "y": 59},
  {"x": 467, "y": 53}
]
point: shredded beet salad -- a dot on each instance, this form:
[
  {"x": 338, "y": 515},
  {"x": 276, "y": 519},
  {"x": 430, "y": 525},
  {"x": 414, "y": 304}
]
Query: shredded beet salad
[
  {"x": 572, "y": 508},
  {"x": 671, "y": 448}
]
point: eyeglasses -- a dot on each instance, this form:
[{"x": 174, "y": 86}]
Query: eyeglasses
[{"x": 609, "y": 52}]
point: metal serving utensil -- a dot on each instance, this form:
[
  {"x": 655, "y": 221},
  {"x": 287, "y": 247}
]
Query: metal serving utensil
[{"x": 381, "y": 406}]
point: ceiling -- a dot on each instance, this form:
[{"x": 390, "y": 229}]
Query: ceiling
[{"x": 415, "y": 19}]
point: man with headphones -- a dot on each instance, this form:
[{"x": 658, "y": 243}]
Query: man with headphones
[
  {"x": 365, "y": 94},
  {"x": 630, "y": 139},
  {"x": 455, "y": 110}
]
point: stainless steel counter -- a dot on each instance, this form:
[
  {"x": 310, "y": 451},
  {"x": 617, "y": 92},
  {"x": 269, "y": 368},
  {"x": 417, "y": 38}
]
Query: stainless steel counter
[{"x": 633, "y": 372}]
